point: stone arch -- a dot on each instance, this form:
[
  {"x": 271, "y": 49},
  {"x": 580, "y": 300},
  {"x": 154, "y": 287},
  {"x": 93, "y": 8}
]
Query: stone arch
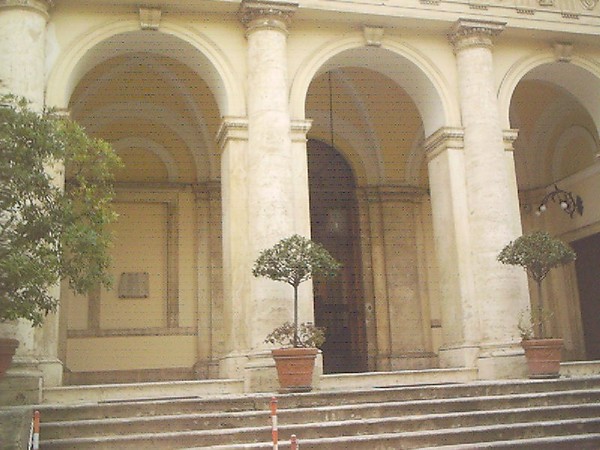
[
  {"x": 98, "y": 44},
  {"x": 427, "y": 87},
  {"x": 575, "y": 76}
]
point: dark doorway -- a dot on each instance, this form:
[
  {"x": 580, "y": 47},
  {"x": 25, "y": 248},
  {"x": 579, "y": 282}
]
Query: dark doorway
[
  {"x": 339, "y": 303},
  {"x": 588, "y": 279}
]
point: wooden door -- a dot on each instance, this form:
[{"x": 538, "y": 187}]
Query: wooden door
[
  {"x": 588, "y": 279},
  {"x": 339, "y": 304}
]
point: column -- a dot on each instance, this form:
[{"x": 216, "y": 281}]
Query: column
[
  {"x": 22, "y": 48},
  {"x": 259, "y": 185},
  {"x": 492, "y": 215},
  {"x": 22, "y": 61}
]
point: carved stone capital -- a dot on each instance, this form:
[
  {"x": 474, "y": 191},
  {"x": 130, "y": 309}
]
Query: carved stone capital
[
  {"x": 468, "y": 33},
  {"x": 271, "y": 15},
  {"x": 40, "y": 6}
]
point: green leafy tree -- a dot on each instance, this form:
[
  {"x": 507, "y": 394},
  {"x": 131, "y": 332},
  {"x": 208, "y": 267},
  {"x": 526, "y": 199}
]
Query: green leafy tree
[
  {"x": 537, "y": 253},
  {"x": 49, "y": 232},
  {"x": 295, "y": 260}
]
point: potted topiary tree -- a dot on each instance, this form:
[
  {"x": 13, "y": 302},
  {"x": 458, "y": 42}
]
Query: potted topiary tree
[
  {"x": 538, "y": 253},
  {"x": 48, "y": 232},
  {"x": 294, "y": 260}
]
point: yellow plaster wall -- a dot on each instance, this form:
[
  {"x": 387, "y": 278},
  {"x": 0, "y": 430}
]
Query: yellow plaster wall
[
  {"x": 140, "y": 245},
  {"x": 130, "y": 353}
]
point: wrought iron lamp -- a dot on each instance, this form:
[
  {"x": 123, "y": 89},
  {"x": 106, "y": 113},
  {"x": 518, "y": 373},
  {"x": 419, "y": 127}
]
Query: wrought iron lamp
[{"x": 567, "y": 201}]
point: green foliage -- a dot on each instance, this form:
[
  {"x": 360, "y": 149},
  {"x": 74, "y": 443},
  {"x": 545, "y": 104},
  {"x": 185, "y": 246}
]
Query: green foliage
[
  {"x": 531, "y": 322},
  {"x": 537, "y": 253},
  {"x": 48, "y": 233},
  {"x": 294, "y": 260},
  {"x": 308, "y": 335}
]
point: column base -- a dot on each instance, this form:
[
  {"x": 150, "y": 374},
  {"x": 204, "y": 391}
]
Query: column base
[
  {"x": 21, "y": 387},
  {"x": 458, "y": 356},
  {"x": 502, "y": 361}
]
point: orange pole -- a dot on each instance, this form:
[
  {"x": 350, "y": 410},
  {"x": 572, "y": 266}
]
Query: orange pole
[
  {"x": 36, "y": 430},
  {"x": 274, "y": 429}
]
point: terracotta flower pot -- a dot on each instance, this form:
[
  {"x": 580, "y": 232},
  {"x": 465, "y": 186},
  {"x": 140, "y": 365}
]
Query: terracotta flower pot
[
  {"x": 8, "y": 348},
  {"x": 543, "y": 357},
  {"x": 295, "y": 367}
]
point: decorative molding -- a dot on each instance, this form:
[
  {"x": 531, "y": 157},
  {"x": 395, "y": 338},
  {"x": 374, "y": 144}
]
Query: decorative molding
[
  {"x": 468, "y": 33},
  {"x": 589, "y": 4},
  {"x": 479, "y": 4},
  {"x": 546, "y": 3},
  {"x": 373, "y": 36},
  {"x": 570, "y": 15},
  {"x": 509, "y": 137},
  {"x": 232, "y": 128},
  {"x": 149, "y": 18},
  {"x": 272, "y": 15},
  {"x": 393, "y": 193},
  {"x": 443, "y": 139},
  {"x": 563, "y": 51},
  {"x": 299, "y": 129}
]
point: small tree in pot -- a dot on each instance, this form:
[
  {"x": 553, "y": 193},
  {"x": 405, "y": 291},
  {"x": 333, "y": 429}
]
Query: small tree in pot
[
  {"x": 48, "y": 233},
  {"x": 295, "y": 260},
  {"x": 538, "y": 253}
]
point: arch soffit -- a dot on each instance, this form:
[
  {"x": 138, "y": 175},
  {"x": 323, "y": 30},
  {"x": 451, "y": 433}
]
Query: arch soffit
[
  {"x": 525, "y": 65},
  {"x": 430, "y": 91},
  {"x": 154, "y": 147},
  {"x": 78, "y": 58}
]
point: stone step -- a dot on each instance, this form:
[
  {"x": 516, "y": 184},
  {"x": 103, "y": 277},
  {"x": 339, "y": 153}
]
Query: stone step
[
  {"x": 589, "y": 441},
  {"x": 203, "y": 421},
  {"x": 124, "y": 438},
  {"x": 392, "y": 417},
  {"x": 191, "y": 404},
  {"x": 128, "y": 391}
]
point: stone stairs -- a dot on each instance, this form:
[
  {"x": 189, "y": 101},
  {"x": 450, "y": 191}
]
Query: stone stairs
[{"x": 528, "y": 414}]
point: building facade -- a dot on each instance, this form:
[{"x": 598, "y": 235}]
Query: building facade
[{"x": 414, "y": 139}]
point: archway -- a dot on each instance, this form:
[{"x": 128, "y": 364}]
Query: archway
[
  {"x": 161, "y": 117},
  {"x": 558, "y": 146},
  {"x": 369, "y": 132},
  {"x": 339, "y": 303}
]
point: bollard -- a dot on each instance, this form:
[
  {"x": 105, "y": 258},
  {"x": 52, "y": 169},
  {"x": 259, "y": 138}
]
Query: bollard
[
  {"x": 274, "y": 430},
  {"x": 294, "y": 443},
  {"x": 36, "y": 430}
]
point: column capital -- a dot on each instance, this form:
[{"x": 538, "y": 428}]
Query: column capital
[
  {"x": 40, "y": 6},
  {"x": 264, "y": 14},
  {"x": 474, "y": 33}
]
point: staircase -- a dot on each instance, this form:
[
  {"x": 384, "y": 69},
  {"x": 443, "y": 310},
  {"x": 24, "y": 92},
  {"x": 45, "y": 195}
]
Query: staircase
[{"x": 527, "y": 414}]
